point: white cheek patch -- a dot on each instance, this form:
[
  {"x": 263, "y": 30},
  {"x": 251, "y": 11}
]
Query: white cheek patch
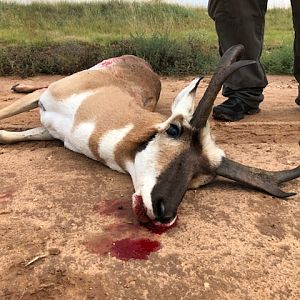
[
  {"x": 210, "y": 149},
  {"x": 108, "y": 143},
  {"x": 146, "y": 174}
]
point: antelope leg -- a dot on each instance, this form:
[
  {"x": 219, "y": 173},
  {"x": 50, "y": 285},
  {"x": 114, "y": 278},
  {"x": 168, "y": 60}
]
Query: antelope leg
[{"x": 35, "y": 134}]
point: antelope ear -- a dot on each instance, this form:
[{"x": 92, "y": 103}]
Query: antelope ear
[{"x": 184, "y": 101}]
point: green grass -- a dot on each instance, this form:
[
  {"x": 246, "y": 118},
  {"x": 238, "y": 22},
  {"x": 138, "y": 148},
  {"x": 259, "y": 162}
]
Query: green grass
[
  {"x": 97, "y": 22},
  {"x": 64, "y": 38}
]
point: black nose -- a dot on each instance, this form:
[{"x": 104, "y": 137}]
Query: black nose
[
  {"x": 164, "y": 220},
  {"x": 161, "y": 214}
]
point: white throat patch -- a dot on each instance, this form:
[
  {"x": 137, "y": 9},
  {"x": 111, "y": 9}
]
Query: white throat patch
[{"x": 210, "y": 149}]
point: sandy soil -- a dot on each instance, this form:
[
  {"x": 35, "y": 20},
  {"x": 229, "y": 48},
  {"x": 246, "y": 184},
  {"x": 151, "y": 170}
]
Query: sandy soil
[{"x": 63, "y": 210}]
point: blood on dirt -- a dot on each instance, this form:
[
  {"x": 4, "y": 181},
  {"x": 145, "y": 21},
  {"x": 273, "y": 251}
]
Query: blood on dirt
[
  {"x": 134, "y": 249},
  {"x": 118, "y": 208},
  {"x": 128, "y": 239},
  {"x": 124, "y": 241}
]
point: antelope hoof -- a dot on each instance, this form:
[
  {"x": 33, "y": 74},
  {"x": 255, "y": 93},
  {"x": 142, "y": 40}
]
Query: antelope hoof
[
  {"x": 14, "y": 88},
  {"x": 22, "y": 88}
]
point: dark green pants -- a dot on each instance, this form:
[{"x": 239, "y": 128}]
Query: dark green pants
[{"x": 243, "y": 22}]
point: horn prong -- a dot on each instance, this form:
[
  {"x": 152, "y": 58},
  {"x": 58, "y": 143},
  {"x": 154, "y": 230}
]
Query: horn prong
[{"x": 226, "y": 67}]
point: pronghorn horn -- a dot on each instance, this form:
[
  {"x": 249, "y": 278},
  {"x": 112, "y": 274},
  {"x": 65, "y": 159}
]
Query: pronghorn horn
[
  {"x": 226, "y": 67},
  {"x": 261, "y": 179}
]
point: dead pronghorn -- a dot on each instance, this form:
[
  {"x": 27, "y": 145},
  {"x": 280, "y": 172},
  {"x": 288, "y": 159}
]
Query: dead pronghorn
[{"x": 106, "y": 113}]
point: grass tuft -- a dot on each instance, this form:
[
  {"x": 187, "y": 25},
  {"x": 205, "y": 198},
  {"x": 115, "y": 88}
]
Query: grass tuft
[{"x": 279, "y": 60}]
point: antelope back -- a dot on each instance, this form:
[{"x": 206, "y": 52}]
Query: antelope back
[
  {"x": 94, "y": 110},
  {"x": 131, "y": 74}
]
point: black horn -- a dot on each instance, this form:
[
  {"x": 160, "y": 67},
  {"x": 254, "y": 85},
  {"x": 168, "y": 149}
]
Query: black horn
[
  {"x": 226, "y": 67},
  {"x": 267, "y": 181}
]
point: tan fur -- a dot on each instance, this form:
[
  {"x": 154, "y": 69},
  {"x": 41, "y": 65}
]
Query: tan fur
[
  {"x": 123, "y": 93},
  {"x": 171, "y": 148},
  {"x": 168, "y": 150},
  {"x": 131, "y": 74},
  {"x": 201, "y": 180},
  {"x": 102, "y": 109},
  {"x": 144, "y": 127}
]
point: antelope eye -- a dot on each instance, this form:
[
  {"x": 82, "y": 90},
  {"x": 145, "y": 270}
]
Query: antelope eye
[{"x": 173, "y": 131}]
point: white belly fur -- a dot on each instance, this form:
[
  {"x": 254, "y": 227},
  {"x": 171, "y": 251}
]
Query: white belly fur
[{"x": 58, "y": 119}]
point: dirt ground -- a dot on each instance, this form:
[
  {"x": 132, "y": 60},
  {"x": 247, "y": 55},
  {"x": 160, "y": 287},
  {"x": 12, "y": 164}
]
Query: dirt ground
[{"x": 60, "y": 211}]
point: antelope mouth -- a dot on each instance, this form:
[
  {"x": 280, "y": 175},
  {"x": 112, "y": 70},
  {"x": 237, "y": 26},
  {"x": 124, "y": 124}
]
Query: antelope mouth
[
  {"x": 141, "y": 213},
  {"x": 165, "y": 225},
  {"x": 139, "y": 209}
]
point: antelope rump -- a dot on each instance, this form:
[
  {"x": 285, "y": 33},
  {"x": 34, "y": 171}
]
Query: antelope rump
[{"x": 107, "y": 113}]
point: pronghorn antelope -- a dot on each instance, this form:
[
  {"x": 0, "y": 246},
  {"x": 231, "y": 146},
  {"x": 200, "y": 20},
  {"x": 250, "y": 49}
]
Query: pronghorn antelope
[{"x": 106, "y": 113}]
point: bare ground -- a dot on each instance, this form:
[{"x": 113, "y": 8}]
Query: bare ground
[{"x": 63, "y": 209}]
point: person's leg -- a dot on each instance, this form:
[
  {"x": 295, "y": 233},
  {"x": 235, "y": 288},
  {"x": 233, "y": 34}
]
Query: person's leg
[
  {"x": 241, "y": 22},
  {"x": 296, "y": 21}
]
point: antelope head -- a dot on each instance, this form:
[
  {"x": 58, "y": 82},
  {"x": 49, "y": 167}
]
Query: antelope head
[{"x": 180, "y": 153}]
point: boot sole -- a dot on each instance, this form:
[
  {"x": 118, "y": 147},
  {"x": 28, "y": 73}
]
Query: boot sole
[
  {"x": 232, "y": 118},
  {"x": 253, "y": 111}
]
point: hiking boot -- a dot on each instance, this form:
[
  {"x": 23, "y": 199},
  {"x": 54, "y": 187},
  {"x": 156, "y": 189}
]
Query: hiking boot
[{"x": 233, "y": 109}]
